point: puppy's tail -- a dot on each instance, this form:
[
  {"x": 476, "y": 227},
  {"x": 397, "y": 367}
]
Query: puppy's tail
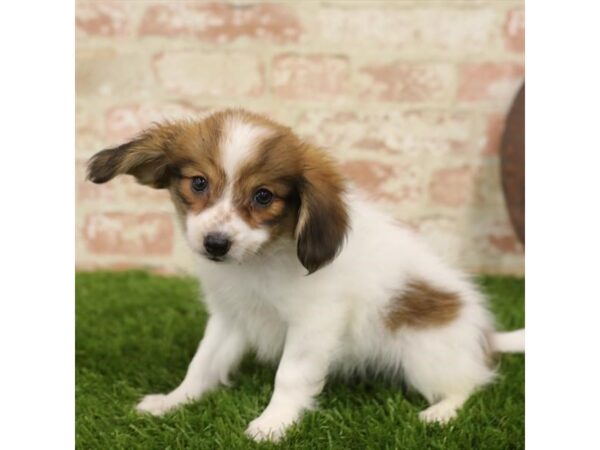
[{"x": 509, "y": 341}]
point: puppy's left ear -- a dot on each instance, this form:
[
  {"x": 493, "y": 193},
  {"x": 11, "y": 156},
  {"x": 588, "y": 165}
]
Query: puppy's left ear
[{"x": 323, "y": 218}]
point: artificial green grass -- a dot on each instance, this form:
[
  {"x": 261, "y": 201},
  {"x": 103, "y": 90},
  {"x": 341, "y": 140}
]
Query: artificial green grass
[{"x": 137, "y": 332}]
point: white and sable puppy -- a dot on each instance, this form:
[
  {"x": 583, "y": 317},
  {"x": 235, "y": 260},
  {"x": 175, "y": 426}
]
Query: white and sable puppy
[{"x": 298, "y": 268}]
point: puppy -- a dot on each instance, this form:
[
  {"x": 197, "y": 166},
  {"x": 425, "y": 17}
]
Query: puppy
[{"x": 299, "y": 268}]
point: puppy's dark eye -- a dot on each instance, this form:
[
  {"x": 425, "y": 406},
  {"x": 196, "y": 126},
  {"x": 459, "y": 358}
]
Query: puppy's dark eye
[
  {"x": 199, "y": 184},
  {"x": 263, "y": 197}
]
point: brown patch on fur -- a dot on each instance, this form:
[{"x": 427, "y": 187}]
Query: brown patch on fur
[
  {"x": 422, "y": 305},
  {"x": 277, "y": 168}
]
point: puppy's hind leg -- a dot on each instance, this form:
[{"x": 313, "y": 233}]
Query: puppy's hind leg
[{"x": 445, "y": 366}]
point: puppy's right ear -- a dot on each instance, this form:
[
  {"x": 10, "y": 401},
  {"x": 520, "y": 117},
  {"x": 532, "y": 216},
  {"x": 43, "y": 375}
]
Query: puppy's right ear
[{"x": 146, "y": 158}]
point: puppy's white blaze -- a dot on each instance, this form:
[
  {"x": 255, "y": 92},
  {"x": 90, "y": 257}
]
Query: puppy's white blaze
[{"x": 238, "y": 142}]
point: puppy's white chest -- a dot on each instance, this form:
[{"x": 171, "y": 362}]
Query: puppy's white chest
[
  {"x": 266, "y": 332},
  {"x": 255, "y": 303}
]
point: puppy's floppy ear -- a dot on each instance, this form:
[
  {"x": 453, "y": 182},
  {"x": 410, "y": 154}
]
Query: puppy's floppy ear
[
  {"x": 323, "y": 218},
  {"x": 144, "y": 157}
]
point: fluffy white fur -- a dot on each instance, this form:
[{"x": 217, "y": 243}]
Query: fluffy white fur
[{"x": 332, "y": 320}]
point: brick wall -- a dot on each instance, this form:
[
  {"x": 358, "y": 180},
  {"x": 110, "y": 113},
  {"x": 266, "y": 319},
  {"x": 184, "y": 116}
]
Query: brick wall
[{"x": 409, "y": 95}]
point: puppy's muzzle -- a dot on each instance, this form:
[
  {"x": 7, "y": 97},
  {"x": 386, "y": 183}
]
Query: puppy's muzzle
[{"x": 217, "y": 244}]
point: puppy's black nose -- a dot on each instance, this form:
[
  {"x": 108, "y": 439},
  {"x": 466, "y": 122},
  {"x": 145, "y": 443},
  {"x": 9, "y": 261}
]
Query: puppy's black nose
[{"x": 217, "y": 244}]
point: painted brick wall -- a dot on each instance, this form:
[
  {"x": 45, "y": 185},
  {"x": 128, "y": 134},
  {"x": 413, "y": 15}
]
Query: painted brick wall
[{"x": 409, "y": 95}]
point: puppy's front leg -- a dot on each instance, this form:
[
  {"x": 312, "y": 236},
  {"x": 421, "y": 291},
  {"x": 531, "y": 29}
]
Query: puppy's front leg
[
  {"x": 219, "y": 352},
  {"x": 300, "y": 378}
]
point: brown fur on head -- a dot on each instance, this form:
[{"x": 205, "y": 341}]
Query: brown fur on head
[{"x": 238, "y": 154}]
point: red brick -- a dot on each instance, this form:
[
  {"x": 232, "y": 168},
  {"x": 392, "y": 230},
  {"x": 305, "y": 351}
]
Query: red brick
[
  {"x": 101, "y": 19},
  {"x": 369, "y": 175},
  {"x": 488, "y": 185},
  {"x": 222, "y": 22},
  {"x": 514, "y": 30},
  {"x": 405, "y": 82},
  {"x": 453, "y": 186},
  {"x": 494, "y": 236},
  {"x": 133, "y": 192},
  {"x": 478, "y": 243},
  {"x": 491, "y": 246},
  {"x": 394, "y": 133},
  {"x": 506, "y": 243},
  {"x": 465, "y": 30},
  {"x": 311, "y": 77},
  {"x": 129, "y": 234},
  {"x": 89, "y": 128},
  {"x": 492, "y": 137},
  {"x": 104, "y": 72},
  {"x": 217, "y": 74},
  {"x": 125, "y": 122},
  {"x": 497, "y": 82},
  {"x": 383, "y": 181}
]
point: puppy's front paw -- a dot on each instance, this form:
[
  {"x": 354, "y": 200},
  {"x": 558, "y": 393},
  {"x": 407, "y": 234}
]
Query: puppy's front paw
[
  {"x": 439, "y": 413},
  {"x": 266, "y": 429},
  {"x": 156, "y": 404}
]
